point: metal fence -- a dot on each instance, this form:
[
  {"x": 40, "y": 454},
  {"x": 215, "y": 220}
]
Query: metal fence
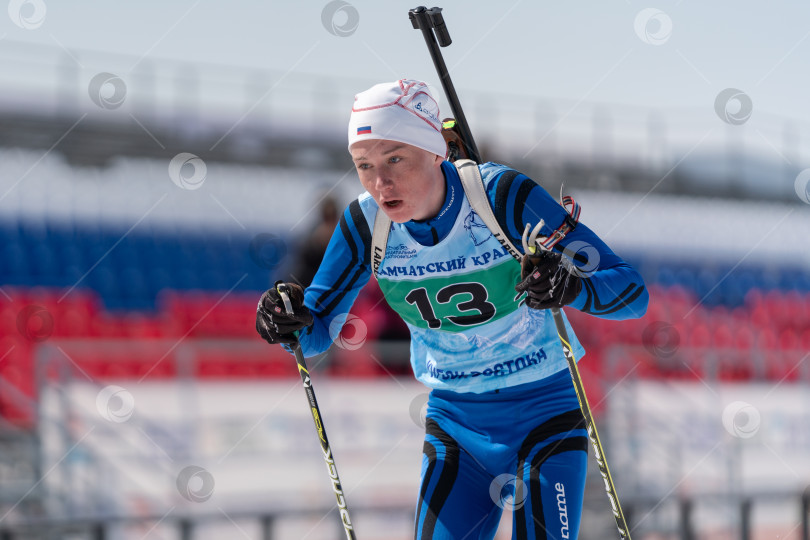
[{"x": 188, "y": 527}]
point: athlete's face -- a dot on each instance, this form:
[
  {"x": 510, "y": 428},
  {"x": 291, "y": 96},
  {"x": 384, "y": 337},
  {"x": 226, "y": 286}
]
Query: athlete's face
[{"x": 406, "y": 181}]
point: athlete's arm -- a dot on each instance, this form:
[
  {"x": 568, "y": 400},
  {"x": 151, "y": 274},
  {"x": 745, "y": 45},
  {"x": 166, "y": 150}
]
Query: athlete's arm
[
  {"x": 612, "y": 289},
  {"x": 345, "y": 269}
]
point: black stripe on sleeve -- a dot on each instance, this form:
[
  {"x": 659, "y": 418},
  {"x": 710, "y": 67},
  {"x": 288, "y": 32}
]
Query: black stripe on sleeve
[
  {"x": 336, "y": 300},
  {"x": 361, "y": 225},
  {"x": 347, "y": 235},
  {"x": 503, "y": 186},
  {"x": 519, "y": 203},
  {"x": 595, "y": 306}
]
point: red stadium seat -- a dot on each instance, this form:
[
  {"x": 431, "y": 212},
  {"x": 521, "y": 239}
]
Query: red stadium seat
[
  {"x": 360, "y": 363},
  {"x": 789, "y": 339},
  {"x": 699, "y": 336},
  {"x": 17, "y": 384},
  {"x": 722, "y": 336},
  {"x": 744, "y": 337},
  {"x": 804, "y": 343}
]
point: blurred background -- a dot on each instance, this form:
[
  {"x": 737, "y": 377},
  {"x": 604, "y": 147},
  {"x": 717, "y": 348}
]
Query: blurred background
[{"x": 162, "y": 164}]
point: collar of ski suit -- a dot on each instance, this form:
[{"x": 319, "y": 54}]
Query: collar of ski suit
[{"x": 430, "y": 232}]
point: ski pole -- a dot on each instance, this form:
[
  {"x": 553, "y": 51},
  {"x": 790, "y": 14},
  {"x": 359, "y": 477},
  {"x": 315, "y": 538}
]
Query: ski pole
[
  {"x": 530, "y": 245},
  {"x": 284, "y": 293},
  {"x": 430, "y": 20}
]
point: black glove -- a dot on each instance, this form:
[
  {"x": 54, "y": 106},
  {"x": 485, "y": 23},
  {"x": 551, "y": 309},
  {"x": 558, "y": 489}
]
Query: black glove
[
  {"x": 548, "y": 281},
  {"x": 273, "y": 322}
]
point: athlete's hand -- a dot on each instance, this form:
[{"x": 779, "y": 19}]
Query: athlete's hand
[
  {"x": 548, "y": 281},
  {"x": 273, "y": 322}
]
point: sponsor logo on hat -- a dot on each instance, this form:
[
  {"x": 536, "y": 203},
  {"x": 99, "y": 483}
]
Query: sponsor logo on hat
[
  {"x": 364, "y": 130},
  {"x": 427, "y": 107}
]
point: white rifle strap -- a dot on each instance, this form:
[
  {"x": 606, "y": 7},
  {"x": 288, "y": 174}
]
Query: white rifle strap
[
  {"x": 474, "y": 189},
  {"x": 379, "y": 240}
]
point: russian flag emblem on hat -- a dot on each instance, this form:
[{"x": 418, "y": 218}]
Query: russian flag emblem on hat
[{"x": 364, "y": 130}]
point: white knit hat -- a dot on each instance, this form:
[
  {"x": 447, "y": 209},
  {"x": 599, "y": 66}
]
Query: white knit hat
[{"x": 402, "y": 111}]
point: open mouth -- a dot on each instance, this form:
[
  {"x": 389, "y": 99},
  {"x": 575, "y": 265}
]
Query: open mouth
[{"x": 392, "y": 204}]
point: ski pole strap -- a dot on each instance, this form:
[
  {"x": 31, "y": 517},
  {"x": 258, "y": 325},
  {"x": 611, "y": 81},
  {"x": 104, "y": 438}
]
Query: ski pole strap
[{"x": 568, "y": 225}]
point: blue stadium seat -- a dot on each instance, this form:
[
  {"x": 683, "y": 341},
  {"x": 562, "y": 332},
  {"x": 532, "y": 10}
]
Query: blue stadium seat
[{"x": 150, "y": 259}]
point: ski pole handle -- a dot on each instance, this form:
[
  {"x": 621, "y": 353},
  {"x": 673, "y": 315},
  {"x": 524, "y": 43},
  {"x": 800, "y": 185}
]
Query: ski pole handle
[{"x": 284, "y": 292}]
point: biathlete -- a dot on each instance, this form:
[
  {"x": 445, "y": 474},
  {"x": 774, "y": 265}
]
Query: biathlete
[{"x": 482, "y": 337}]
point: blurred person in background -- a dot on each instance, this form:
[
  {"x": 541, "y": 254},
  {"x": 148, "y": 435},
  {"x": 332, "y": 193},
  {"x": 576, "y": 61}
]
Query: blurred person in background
[
  {"x": 502, "y": 409},
  {"x": 313, "y": 246}
]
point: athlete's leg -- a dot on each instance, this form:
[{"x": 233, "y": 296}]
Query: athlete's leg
[
  {"x": 454, "y": 499},
  {"x": 552, "y": 465}
]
